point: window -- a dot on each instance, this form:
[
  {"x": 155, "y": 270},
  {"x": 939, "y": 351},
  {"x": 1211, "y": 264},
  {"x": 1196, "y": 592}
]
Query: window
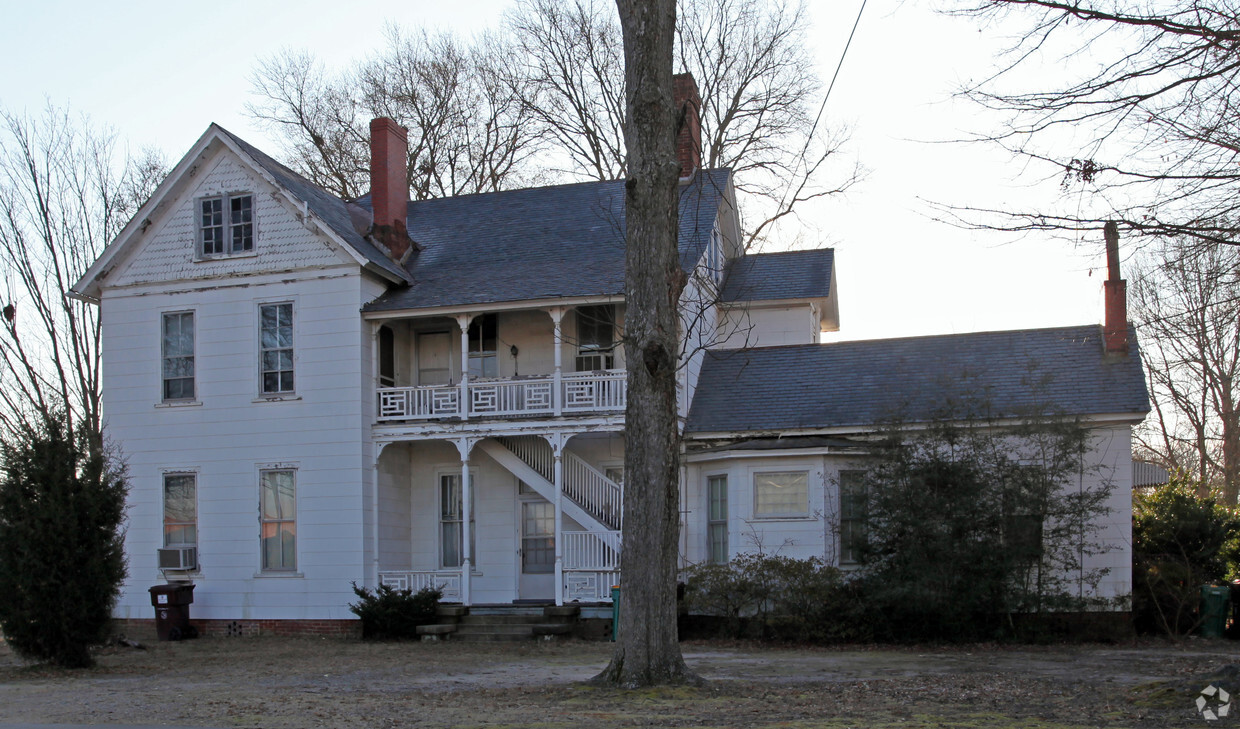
[
  {"x": 482, "y": 359},
  {"x": 178, "y": 356},
  {"x": 235, "y": 237},
  {"x": 852, "y": 516},
  {"x": 717, "y": 519},
  {"x": 180, "y": 509},
  {"x": 596, "y": 333},
  {"x": 451, "y": 522},
  {"x": 781, "y": 494},
  {"x": 276, "y": 343},
  {"x": 1023, "y": 504},
  {"x": 278, "y": 519},
  {"x": 387, "y": 357}
]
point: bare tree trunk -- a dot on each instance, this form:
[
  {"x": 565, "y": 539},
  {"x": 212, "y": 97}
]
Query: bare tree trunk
[{"x": 647, "y": 651}]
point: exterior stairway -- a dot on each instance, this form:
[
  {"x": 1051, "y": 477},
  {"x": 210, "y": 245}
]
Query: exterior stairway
[{"x": 479, "y": 624}]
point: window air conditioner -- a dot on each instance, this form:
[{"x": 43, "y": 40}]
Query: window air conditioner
[{"x": 178, "y": 558}]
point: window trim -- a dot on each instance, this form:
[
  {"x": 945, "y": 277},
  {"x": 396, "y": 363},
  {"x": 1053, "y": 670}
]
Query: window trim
[
  {"x": 439, "y": 521},
  {"x": 754, "y": 474},
  {"x": 178, "y": 473},
  {"x": 276, "y": 395},
  {"x": 226, "y": 226},
  {"x": 605, "y": 355},
  {"x": 193, "y": 357},
  {"x": 858, "y": 521},
  {"x": 282, "y": 570},
  {"x": 713, "y": 523}
]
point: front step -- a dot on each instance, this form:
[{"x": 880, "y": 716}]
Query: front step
[{"x": 501, "y": 623}]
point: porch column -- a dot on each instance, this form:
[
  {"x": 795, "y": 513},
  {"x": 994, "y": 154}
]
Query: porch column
[
  {"x": 462, "y": 321},
  {"x": 557, "y": 448},
  {"x": 373, "y": 579},
  {"x": 557, "y": 315},
  {"x": 467, "y": 553}
]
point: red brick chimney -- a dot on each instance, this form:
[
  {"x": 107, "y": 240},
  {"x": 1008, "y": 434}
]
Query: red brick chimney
[
  {"x": 389, "y": 186},
  {"x": 688, "y": 123},
  {"x": 1115, "y": 297}
]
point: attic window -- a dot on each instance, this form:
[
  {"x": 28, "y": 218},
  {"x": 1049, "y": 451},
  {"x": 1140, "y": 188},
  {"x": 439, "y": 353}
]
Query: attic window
[{"x": 231, "y": 236}]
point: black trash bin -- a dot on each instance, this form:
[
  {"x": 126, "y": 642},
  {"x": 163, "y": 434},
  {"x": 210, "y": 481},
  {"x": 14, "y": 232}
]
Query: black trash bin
[{"x": 171, "y": 604}]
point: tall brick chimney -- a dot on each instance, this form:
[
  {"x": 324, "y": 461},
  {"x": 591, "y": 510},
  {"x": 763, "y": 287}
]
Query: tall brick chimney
[
  {"x": 1115, "y": 297},
  {"x": 688, "y": 123},
  {"x": 389, "y": 186}
]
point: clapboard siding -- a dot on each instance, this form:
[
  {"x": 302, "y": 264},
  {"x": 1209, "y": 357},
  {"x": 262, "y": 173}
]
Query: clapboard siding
[{"x": 228, "y": 438}]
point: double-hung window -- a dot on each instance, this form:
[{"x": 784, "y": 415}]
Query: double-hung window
[
  {"x": 781, "y": 494},
  {"x": 178, "y": 356},
  {"x": 596, "y": 334},
  {"x": 278, "y": 519},
  {"x": 452, "y": 522},
  {"x": 276, "y": 345},
  {"x": 852, "y": 516},
  {"x": 483, "y": 361},
  {"x": 180, "y": 510},
  {"x": 717, "y": 519},
  {"x": 226, "y": 224}
]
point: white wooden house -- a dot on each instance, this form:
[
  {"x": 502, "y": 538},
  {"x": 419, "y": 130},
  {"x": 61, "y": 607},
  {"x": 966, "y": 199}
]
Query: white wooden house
[{"x": 311, "y": 391}]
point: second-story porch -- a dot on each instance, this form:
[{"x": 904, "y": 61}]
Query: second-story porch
[{"x": 532, "y": 362}]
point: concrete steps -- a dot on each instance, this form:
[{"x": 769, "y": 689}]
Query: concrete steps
[{"x": 488, "y": 624}]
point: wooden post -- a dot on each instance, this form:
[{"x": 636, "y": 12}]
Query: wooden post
[
  {"x": 557, "y": 397},
  {"x": 462, "y": 321}
]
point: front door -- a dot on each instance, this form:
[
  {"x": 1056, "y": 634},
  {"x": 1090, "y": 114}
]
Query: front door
[
  {"x": 537, "y": 551},
  {"x": 434, "y": 358}
]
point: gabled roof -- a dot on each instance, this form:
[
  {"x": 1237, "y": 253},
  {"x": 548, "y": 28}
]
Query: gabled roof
[
  {"x": 327, "y": 207},
  {"x": 321, "y": 205},
  {"x": 562, "y": 241},
  {"x": 778, "y": 276},
  {"x": 865, "y": 383}
]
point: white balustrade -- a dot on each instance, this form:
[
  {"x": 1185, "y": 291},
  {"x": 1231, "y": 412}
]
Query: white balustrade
[
  {"x": 593, "y": 491},
  {"x": 591, "y": 551},
  {"x": 581, "y": 392},
  {"x": 449, "y": 582}
]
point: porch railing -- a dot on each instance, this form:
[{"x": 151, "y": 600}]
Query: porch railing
[
  {"x": 591, "y": 565},
  {"x": 579, "y": 392},
  {"x": 449, "y": 582}
]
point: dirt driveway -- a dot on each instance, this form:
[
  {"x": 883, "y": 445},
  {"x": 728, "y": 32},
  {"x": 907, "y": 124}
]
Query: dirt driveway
[{"x": 283, "y": 682}]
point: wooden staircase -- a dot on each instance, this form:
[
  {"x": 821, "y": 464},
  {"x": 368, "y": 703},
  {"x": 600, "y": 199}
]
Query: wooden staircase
[{"x": 501, "y": 623}]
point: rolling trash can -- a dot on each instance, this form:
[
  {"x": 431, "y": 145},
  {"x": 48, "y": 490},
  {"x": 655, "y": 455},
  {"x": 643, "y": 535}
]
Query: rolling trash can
[
  {"x": 171, "y": 603},
  {"x": 615, "y": 612},
  {"x": 1214, "y": 610}
]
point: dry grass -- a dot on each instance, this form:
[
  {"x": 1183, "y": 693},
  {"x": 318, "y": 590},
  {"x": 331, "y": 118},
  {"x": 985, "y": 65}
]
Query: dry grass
[{"x": 286, "y": 682}]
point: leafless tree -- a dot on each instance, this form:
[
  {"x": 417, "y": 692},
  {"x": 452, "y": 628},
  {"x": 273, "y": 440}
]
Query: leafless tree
[
  {"x": 758, "y": 86},
  {"x": 1188, "y": 306},
  {"x": 1140, "y": 119},
  {"x": 647, "y": 652},
  {"x": 65, "y": 192},
  {"x": 467, "y": 131}
]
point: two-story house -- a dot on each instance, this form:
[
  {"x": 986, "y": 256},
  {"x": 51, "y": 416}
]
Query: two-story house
[{"x": 311, "y": 391}]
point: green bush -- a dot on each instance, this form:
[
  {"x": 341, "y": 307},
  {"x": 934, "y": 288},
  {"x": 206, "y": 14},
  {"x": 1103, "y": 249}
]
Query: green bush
[
  {"x": 62, "y": 504},
  {"x": 389, "y": 614},
  {"x": 778, "y": 598},
  {"x": 1180, "y": 542}
]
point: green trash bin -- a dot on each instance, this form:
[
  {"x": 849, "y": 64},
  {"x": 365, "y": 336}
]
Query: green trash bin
[
  {"x": 615, "y": 612},
  {"x": 1214, "y": 609}
]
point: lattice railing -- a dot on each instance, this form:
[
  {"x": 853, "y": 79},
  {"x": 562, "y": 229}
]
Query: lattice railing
[
  {"x": 512, "y": 397},
  {"x": 595, "y": 391},
  {"x": 580, "y": 392},
  {"x": 449, "y": 582}
]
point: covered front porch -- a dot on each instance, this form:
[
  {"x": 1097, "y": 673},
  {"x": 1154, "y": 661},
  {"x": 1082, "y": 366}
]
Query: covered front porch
[
  {"x": 504, "y": 519},
  {"x": 534, "y": 362}
]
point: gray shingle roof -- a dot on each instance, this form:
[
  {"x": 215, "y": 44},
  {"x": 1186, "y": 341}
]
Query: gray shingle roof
[
  {"x": 546, "y": 242},
  {"x": 788, "y": 275},
  {"x": 325, "y": 206},
  {"x": 865, "y": 383}
]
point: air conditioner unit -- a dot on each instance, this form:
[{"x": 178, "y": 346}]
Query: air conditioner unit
[{"x": 178, "y": 558}]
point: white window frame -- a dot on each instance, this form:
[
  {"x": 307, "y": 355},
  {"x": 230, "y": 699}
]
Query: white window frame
[
  {"x": 164, "y": 357},
  {"x": 264, "y": 520},
  {"x": 601, "y": 353},
  {"x": 226, "y": 226},
  {"x": 460, "y": 521},
  {"x": 855, "y": 522},
  {"x": 178, "y": 473},
  {"x": 756, "y": 474},
  {"x": 263, "y": 392},
  {"x": 715, "y": 523}
]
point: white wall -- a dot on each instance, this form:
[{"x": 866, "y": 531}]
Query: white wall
[{"x": 768, "y": 326}]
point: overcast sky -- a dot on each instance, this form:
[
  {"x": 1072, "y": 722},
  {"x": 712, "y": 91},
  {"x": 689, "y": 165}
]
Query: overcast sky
[{"x": 160, "y": 72}]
